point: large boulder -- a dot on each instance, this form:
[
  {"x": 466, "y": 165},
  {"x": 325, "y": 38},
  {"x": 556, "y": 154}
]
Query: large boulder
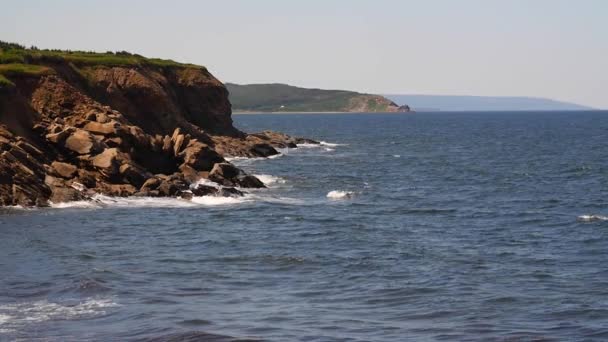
[
  {"x": 229, "y": 175},
  {"x": 82, "y": 142},
  {"x": 64, "y": 170},
  {"x": 200, "y": 156},
  {"x": 107, "y": 162},
  {"x": 102, "y": 128}
]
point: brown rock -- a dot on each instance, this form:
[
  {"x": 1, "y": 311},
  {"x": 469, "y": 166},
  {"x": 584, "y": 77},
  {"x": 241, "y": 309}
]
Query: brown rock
[
  {"x": 122, "y": 190},
  {"x": 133, "y": 174},
  {"x": 199, "y": 156},
  {"x": 59, "y": 137},
  {"x": 101, "y": 128},
  {"x": 67, "y": 194},
  {"x": 64, "y": 170},
  {"x": 82, "y": 142},
  {"x": 229, "y": 175},
  {"x": 177, "y": 144},
  {"x": 107, "y": 161}
]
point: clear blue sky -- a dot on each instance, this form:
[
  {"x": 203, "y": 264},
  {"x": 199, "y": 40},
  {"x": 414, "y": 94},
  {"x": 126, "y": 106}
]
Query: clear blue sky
[{"x": 543, "y": 48}]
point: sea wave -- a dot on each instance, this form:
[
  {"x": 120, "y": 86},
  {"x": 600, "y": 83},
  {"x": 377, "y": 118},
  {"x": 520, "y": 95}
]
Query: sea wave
[
  {"x": 340, "y": 194},
  {"x": 325, "y": 143},
  {"x": 270, "y": 179},
  {"x": 592, "y": 218},
  {"x": 13, "y": 315}
]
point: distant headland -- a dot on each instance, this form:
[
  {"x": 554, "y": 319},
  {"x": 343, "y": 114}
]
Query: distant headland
[{"x": 276, "y": 97}]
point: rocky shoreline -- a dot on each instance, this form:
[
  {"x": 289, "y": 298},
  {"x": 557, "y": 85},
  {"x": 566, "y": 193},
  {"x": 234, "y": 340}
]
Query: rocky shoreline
[{"x": 142, "y": 130}]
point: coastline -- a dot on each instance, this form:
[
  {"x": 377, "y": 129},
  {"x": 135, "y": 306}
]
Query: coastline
[{"x": 253, "y": 113}]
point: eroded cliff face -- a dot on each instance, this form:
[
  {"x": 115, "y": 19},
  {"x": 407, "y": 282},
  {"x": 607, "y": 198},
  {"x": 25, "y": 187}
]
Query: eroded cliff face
[{"x": 120, "y": 131}]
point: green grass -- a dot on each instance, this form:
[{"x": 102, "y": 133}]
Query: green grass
[
  {"x": 5, "y": 82},
  {"x": 14, "y": 53},
  {"x": 18, "y": 69}
]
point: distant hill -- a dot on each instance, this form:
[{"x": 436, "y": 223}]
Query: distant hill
[
  {"x": 277, "y": 97},
  {"x": 482, "y": 103}
]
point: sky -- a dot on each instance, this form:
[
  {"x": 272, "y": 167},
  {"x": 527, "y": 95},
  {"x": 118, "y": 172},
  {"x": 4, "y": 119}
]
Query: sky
[{"x": 539, "y": 48}]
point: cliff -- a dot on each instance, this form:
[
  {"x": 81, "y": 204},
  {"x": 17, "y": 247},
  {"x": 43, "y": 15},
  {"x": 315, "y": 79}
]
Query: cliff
[
  {"x": 76, "y": 124},
  {"x": 286, "y": 98}
]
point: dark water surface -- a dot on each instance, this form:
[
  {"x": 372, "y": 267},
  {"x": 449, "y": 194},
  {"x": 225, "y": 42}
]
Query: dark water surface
[{"x": 465, "y": 226}]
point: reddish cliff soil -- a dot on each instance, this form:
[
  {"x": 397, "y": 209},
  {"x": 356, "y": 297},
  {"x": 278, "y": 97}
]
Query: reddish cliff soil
[{"x": 121, "y": 131}]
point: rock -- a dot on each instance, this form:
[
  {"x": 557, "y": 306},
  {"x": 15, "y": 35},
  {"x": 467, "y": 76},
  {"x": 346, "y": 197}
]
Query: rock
[
  {"x": 59, "y": 137},
  {"x": 121, "y": 190},
  {"x": 224, "y": 171},
  {"x": 102, "y": 118},
  {"x": 249, "y": 181},
  {"x": 200, "y": 156},
  {"x": 107, "y": 162},
  {"x": 178, "y": 144},
  {"x": 167, "y": 144},
  {"x": 208, "y": 190},
  {"x": 114, "y": 142},
  {"x": 205, "y": 190},
  {"x": 102, "y": 128},
  {"x": 171, "y": 188},
  {"x": 229, "y": 175},
  {"x": 82, "y": 142},
  {"x": 64, "y": 170},
  {"x": 151, "y": 184},
  {"x": 231, "y": 192},
  {"x": 134, "y": 174},
  {"x": 67, "y": 194},
  {"x": 264, "y": 150}
]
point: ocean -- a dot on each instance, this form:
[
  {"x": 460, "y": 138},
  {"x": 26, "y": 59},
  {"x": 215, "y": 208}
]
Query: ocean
[{"x": 398, "y": 227}]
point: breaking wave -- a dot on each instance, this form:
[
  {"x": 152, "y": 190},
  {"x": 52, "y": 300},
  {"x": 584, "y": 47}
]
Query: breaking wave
[
  {"x": 339, "y": 194},
  {"x": 270, "y": 179},
  {"x": 14, "y": 315},
  {"x": 592, "y": 218}
]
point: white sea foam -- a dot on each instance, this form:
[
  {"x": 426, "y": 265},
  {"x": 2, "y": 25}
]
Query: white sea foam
[
  {"x": 4, "y": 319},
  {"x": 397, "y": 155},
  {"x": 236, "y": 160},
  {"x": 329, "y": 149},
  {"x": 325, "y": 143},
  {"x": 102, "y": 201},
  {"x": 592, "y": 218},
  {"x": 14, "y": 315},
  {"x": 270, "y": 179},
  {"x": 339, "y": 194},
  {"x": 220, "y": 200}
]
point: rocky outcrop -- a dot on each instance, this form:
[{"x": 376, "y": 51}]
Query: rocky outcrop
[{"x": 121, "y": 131}]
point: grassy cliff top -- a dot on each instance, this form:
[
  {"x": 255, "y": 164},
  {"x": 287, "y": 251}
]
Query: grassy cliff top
[
  {"x": 15, "y": 53},
  {"x": 16, "y": 59}
]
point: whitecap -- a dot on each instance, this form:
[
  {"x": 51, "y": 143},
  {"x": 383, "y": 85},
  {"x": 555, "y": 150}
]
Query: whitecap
[
  {"x": 397, "y": 155},
  {"x": 102, "y": 201},
  {"x": 329, "y": 149},
  {"x": 308, "y": 145},
  {"x": 40, "y": 311},
  {"x": 5, "y": 319},
  {"x": 325, "y": 143},
  {"x": 220, "y": 200},
  {"x": 339, "y": 194},
  {"x": 592, "y": 218},
  {"x": 270, "y": 179}
]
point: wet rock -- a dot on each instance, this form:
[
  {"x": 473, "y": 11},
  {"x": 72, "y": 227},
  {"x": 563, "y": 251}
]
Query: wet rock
[
  {"x": 229, "y": 175},
  {"x": 264, "y": 150}
]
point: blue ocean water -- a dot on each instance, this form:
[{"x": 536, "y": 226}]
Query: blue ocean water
[{"x": 426, "y": 226}]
